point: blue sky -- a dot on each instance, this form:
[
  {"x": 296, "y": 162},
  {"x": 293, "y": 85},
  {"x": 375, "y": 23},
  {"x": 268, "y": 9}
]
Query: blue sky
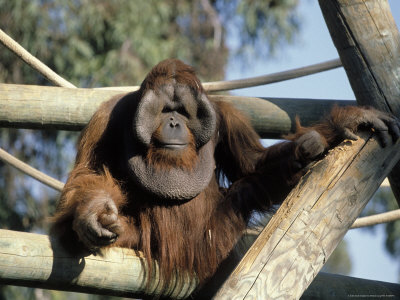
[{"x": 314, "y": 45}]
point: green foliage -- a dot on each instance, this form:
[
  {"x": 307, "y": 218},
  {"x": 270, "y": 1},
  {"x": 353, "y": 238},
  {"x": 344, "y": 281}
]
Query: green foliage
[
  {"x": 266, "y": 24},
  {"x": 100, "y": 42}
]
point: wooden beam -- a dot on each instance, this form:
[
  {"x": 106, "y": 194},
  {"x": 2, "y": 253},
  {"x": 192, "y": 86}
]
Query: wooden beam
[
  {"x": 310, "y": 223},
  {"x": 331, "y": 286},
  {"x": 35, "y": 260},
  {"x": 368, "y": 41},
  {"x": 31, "y": 106},
  {"x": 40, "y": 107}
]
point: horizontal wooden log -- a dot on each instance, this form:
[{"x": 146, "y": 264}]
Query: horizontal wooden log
[
  {"x": 40, "y": 107},
  {"x": 30, "y": 106},
  {"x": 35, "y": 260},
  {"x": 330, "y": 286},
  {"x": 312, "y": 220}
]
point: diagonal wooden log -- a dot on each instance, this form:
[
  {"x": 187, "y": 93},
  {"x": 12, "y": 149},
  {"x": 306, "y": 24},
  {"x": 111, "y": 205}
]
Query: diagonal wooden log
[
  {"x": 310, "y": 223},
  {"x": 41, "y": 107},
  {"x": 368, "y": 41}
]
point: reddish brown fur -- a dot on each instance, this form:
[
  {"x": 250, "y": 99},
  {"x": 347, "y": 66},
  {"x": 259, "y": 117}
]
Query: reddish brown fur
[
  {"x": 189, "y": 238},
  {"x": 332, "y": 127},
  {"x": 163, "y": 158},
  {"x": 239, "y": 146},
  {"x": 169, "y": 70},
  {"x": 193, "y": 237}
]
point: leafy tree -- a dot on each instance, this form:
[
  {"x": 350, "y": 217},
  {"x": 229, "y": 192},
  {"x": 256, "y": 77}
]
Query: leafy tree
[{"x": 104, "y": 43}]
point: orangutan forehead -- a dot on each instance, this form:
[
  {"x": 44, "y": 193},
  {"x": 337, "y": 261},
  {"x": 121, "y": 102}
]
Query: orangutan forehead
[
  {"x": 177, "y": 92},
  {"x": 172, "y": 72}
]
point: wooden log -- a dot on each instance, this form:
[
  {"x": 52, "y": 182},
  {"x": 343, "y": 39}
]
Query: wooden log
[
  {"x": 35, "y": 260},
  {"x": 368, "y": 41},
  {"x": 330, "y": 286},
  {"x": 310, "y": 223},
  {"x": 29, "y": 106}
]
